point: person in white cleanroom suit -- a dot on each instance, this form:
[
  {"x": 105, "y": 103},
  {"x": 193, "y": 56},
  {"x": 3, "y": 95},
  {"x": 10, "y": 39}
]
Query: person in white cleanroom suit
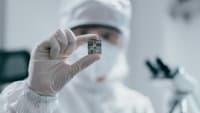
[
  {"x": 183, "y": 31},
  {"x": 59, "y": 81}
]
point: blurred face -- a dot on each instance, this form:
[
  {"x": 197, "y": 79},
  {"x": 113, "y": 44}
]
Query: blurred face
[
  {"x": 109, "y": 35},
  {"x": 112, "y": 36},
  {"x": 187, "y": 22},
  {"x": 185, "y": 9},
  {"x": 183, "y": 34}
]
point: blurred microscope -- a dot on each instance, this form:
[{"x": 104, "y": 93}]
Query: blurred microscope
[{"x": 161, "y": 71}]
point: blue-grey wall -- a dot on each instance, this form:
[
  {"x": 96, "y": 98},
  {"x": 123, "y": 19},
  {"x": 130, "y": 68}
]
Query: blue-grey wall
[{"x": 2, "y": 22}]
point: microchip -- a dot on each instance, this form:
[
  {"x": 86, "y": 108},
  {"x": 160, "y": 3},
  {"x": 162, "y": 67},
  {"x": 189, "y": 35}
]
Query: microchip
[{"x": 94, "y": 46}]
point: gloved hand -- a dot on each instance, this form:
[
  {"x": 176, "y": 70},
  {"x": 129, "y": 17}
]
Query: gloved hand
[{"x": 48, "y": 70}]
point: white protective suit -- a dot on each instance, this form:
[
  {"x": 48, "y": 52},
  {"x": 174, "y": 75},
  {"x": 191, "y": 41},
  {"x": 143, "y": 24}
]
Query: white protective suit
[{"x": 79, "y": 95}]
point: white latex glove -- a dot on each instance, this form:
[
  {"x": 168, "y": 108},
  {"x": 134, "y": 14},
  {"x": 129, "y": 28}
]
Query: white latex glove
[{"x": 48, "y": 70}]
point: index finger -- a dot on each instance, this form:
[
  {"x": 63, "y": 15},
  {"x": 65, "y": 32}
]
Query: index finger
[{"x": 82, "y": 39}]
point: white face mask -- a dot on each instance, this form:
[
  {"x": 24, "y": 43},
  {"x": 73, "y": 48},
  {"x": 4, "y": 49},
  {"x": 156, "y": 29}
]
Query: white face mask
[{"x": 100, "y": 68}]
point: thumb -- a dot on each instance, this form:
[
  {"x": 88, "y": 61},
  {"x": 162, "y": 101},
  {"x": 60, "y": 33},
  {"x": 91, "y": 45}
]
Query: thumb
[
  {"x": 67, "y": 72},
  {"x": 83, "y": 63}
]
